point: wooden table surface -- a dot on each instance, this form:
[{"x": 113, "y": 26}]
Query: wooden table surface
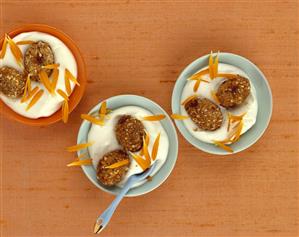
[{"x": 141, "y": 48}]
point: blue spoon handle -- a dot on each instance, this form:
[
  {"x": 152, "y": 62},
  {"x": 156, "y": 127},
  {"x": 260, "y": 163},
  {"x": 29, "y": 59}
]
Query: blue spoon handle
[{"x": 105, "y": 217}]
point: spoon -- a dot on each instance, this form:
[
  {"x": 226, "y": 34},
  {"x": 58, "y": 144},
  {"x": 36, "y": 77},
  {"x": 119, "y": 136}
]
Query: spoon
[{"x": 105, "y": 217}]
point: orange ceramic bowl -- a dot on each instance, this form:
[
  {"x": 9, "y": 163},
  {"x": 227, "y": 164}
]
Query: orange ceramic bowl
[{"x": 78, "y": 91}]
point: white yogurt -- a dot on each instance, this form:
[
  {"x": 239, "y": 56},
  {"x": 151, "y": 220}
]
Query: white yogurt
[
  {"x": 48, "y": 104},
  {"x": 249, "y": 106},
  {"x": 105, "y": 140}
]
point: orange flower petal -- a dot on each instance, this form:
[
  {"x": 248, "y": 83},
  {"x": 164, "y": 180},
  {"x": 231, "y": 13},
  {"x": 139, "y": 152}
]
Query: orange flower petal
[
  {"x": 196, "y": 85},
  {"x": 189, "y": 99},
  {"x": 157, "y": 117},
  {"x": 214, "y": 96},
  {"x": 27, "y": 89},
  {"x": 55, "y": 75},
  {"x": 226, "y": 75},
  {"x": 215, "y": 65},
  {"x": 79, "y": 147},
  {"x": 179, "y": 117},
  {"x": 65, "y": 111},
  {"x": 140, "y": 161},
  {"x": 156, "y": 147},
  {"x": 51, "y": 66},
  {"x": 67, "y": 83},
  {"x": 103, "y": 110},
  {"x": 24, "y": 42},
  {"x": 223, "y": 146},
  {"x": 30, "y": 94},
  {"x": 118, "y": 164},
  {"x": 83, "y": 155},
  {"x": 237, "y": 133},
  {"x": 80, "y": 162},
  {"x": 199, "y": 74},
  {"x": 211, "y": 68},
  {"x": 92, "y": 119},
  {"x": 35, "y": 98},
  {"x": 45, "y": 80},
  {"x": 17, "y": 53},
  {"x": 146, "y": 153},
  {"x": 4, "y": 47},
  {"x": 62, "y": 94},
  {"x": 70, "y": 76}
]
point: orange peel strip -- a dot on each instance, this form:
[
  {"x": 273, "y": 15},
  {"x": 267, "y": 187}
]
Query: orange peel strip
[
  {"x": 51, "y": 66},
  {"x": 80, "y": 162},
  {"x": 35, "y": 98},
  {"x": 91, "y": 119},
  {"x": 46, "y": 82},
  {"x": 191, "y": 97},
  {"x": 199, "y": 74},
  {"x": 17, "y": 53},
  {"x": 223, "y": 146},
  {"x": 156, "y": 147},
  {"x": 156, "y": 117},
  {"x": 196, "y": 85},
  {"x": 62, "y": 94},
  {"x": 70, "y": 76},
  {"x": 65, "y": 111},
  {"x": 140, "y": 161},
  {"x": 4, "y": 47},
  {"x": 24, "y": 42},
  {"x": 118, "y": 164},
  {"x": 179, "y": 116},
  {"x": 79, "y": 147}
]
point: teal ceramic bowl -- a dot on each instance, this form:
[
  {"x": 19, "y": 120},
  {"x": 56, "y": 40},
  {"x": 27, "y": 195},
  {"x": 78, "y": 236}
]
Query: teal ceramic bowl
[
  {"x": 125, "y": 100},
  {"x": 264, "y": 98}
]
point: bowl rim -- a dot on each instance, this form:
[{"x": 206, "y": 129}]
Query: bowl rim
[
  {"x": 135, "y": 191},
  {"x": 78, "y": 91},
  {"x": 180, "y": 124}
]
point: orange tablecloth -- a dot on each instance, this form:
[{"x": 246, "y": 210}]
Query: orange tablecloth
[{"x": 141, "y": 48}]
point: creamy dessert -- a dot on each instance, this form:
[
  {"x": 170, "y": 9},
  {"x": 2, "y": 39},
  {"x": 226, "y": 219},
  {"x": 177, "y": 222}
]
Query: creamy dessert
[
  {"x": 37, "y": 74},
  {"x": 219, "y": 104},
  {"x": 122, "y": 142},
  {"x": 127, "y": 131}
]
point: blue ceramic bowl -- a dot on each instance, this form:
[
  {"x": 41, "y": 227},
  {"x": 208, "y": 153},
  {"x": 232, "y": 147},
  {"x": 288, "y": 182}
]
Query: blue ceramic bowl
[
  {"x": 264, "y": 98},
  {"x": 125, "y": 100}
]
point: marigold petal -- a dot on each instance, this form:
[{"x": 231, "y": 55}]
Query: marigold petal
[
  {"x": 140, "y": 161},
  {"x": 156, "y": 147},
  {"x": 179, "y": 116},
  {"x": 223, "y": 146},
  {"x": 189, "y": 99},
  {"x": 118, "y": 164},
  {"x": 80, "y": 162},
  {"x": 156, "y": 117},
  {"x": 35, "y": 98},
  {"x": 91, "y": 119},
  {"x": 3, "y": 49},
  {"x": 79, "y": 147}
]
